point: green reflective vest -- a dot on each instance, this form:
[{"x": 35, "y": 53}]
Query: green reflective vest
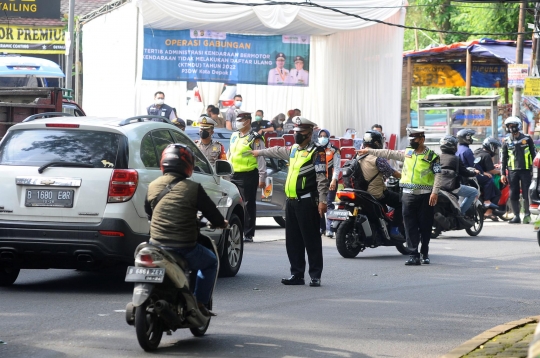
[
  {"x": 418, "y": 169},
  {"x": 301, "y": 178},
  {"x": 240, "y": 155},
  {"x": 527, "y": 156}
]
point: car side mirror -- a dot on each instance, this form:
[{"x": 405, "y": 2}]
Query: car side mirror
[{"x": 223, "y": 168}]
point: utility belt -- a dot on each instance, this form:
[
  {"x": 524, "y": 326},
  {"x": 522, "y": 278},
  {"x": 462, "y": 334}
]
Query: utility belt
[
  {"x": 313, "y": 195},
  {"x": 416, "y": 191}
]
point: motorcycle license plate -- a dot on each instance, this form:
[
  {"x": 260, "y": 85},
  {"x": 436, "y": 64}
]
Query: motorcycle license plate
[
  {"x": 145, "y": 274},
  {"x": 337, "y": 215}
]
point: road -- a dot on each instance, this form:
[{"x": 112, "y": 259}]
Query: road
[{"x": 371, "y": 306}]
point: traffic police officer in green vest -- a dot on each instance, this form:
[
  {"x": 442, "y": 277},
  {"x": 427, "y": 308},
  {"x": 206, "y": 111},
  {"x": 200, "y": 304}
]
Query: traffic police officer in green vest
[
  {"x": 420, "y": 183},
  {"x": 306, "y": 189},
  {"x": 249, "y": 172},
  {"x": 518, "y": 151}
]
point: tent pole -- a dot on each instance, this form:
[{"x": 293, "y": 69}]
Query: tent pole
[
  {"x": 409, "y": 89},
  {"x": 468, "y": 73},
  {"x": 506, "y": 95}
]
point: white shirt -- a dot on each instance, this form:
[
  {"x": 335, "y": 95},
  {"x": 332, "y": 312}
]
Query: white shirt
[
  {"x": 277, "y": 77},
  {"x": 298, "y": 77}
]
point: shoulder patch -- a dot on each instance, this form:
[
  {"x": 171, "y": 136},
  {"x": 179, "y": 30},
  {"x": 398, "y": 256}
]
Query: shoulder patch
[
  {"x": 477, "y": 160},
  {"x": 409, "y": 152}
]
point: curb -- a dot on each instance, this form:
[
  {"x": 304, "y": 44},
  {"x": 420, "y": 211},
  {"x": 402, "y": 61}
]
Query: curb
[{"x": 482, "y": 338}]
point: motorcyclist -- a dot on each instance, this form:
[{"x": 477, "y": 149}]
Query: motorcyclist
[
  {"x": 484, "y": 162},
  {"x": 174, "y": 218},
  {"x": 375, "y": 171},
  {"x": 453, "y": 167},
  {"x": 465, "y": 138}
]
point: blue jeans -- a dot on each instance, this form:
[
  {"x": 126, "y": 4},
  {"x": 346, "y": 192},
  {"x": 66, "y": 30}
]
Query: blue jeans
[
  {"x": 205, "y": 262},
  {"x": 468, "y": 193}
]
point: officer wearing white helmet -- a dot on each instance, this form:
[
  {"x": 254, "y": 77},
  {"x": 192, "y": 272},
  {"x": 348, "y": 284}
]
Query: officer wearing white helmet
[
  {"x": 306, "y": 189},
  {"x": 518, "y": 151},
  {"x": 212, "y": 149}
]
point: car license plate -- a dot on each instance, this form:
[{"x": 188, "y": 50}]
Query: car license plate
[
  {"x": 337, "y": 214},
  {"x": 49, "y": 198},
  {"x": 145, "y": 274}
]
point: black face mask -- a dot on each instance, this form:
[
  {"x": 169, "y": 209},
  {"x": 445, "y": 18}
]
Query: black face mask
[
  {"x": 204, "y": 134},
  {"x": 514, "y": 129},
  {"x": 299, "y": 138},
  {"x": 413, "y": 144}
]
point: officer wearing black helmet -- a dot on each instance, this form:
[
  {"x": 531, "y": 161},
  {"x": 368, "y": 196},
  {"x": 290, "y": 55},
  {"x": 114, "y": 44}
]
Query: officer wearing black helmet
[
  {"x": 518, "y": 151},
  {"x": 179, "y": 231}
]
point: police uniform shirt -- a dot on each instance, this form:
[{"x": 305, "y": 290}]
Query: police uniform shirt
[
  {"x": 483, "y": 161},
  {"x": 262, "y": 124},
  {"x": 154, "y": 110},
  {"x": 213, "y": 151},
  {"x": 298, "y": 77},
  {"x": 278, "y": 76}
]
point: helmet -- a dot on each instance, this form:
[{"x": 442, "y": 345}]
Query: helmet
[
  {"x": 491, "y": 145},
  {"x": 465, "y": 136},
  {"x": 448, "y": 144},
  {"x": 512, "y": 121},
  {"x": 373, "y": 139},
  {"x": 177, "y": 158}
]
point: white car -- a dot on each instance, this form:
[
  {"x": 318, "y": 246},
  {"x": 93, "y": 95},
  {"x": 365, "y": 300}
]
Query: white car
[{"x": 73, "y": 191}]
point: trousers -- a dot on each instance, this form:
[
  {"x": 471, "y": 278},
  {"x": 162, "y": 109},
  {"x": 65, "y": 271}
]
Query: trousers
[
  {"x": 247, "y": 184},
  {"x": 520, "y": 181},
  {"x": 302, "y": 237},
  {"x": 489, "y": 189},
  {"x": 418, "y": 220},
  {"x": 392, "y": 200},
  {"x": 468, "y": 193}
]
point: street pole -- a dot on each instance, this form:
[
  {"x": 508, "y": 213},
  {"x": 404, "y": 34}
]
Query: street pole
[
  {"x": 69, "y": 47},
  {"x": 519, "y": 58}
]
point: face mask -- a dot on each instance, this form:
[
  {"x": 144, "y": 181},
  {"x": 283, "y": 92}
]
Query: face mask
[
  {"x": 323, "y": 141},
  {"x": 238, "y": 103},
  {"x": 299, "y": 138},
  {"x": 282, "y": 120},
  {"x": 160, "y": 101},
  {"x": 413, "y": 144},
  {"x": 239, "y": 125},
  {"x": 514, "y": 129},
  {"x": 258, "y": 118},
  {"x": 204, "y": 134}
]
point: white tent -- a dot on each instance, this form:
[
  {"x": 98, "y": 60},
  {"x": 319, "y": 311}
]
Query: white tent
[{"x": 355, "y": 65}]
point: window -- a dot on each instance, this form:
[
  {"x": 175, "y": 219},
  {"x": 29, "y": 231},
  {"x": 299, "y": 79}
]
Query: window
[
  {"x": 201, "y": 163},
  {"x": 148, "y": 152},
  {"x": 162, "y": 138},
  {"x": 71, "y": 109}
]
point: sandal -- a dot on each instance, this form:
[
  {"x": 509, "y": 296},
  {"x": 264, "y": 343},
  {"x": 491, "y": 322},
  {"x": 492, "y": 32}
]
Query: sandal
[{"x": 492, "y": 217}]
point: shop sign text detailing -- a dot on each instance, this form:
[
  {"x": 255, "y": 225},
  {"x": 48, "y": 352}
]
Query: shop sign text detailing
[
  {"x": 32, "y": 39},
  {"x": 49, "y": 9},
  {"x": 208, "y": 56},
  {"x": 517, "y": 74},
  {"x": 454, "y": 75}
]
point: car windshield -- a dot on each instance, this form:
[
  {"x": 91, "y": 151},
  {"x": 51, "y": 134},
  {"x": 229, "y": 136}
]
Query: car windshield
[{"x": 36, "y": 147}]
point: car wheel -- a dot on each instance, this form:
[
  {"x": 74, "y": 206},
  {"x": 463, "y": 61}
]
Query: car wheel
[
  {"x": 280, "y": 220},
  {"x": 8, "y": 275},
  {"x": 233, "y": 249}
]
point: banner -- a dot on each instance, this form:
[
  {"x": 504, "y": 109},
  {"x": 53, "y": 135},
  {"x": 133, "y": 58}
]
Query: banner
[
  {"x": 48, "y": 9},
  {"x": 532, "y": 86},
  {"x": 32, "y": 39},
  {"x": 454, "y": 75},
  {"x": 207, "y": 56}
]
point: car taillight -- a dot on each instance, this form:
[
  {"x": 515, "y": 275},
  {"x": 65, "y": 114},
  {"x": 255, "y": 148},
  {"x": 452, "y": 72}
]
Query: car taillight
[
  {"x": 349, "y": 195},
  {"x": 61, "y": 125},
  {"x": 536, "y": 161},
  {"x": 111, "y": 233},
  {"x": 122, "y": 185}
]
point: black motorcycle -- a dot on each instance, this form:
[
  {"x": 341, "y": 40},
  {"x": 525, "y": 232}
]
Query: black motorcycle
[{"x": 360, "y": 221}]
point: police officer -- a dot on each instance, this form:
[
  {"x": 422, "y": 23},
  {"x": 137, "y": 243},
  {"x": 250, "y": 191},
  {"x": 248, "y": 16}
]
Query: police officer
[
  {"x": 212, "y": 149},
  {"x": 180, "y": 123},
  {"x": 298, "y": 76},
  {"x": 517, "y": 156},
  {"x": 306, "y": 189},
  {"x": 249, "y": 172},
  {"x": 159, "y": 108},
  {"x": 278, "y": 75},
  {"x": 420, "y": 181}
]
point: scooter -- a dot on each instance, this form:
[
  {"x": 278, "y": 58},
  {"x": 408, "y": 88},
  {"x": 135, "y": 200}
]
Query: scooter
[{"x": 163, "y": 297}]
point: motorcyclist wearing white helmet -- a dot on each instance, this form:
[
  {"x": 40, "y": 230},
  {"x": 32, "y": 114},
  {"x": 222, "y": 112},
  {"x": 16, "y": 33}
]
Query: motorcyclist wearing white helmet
[{"x": 518, "y": 151}]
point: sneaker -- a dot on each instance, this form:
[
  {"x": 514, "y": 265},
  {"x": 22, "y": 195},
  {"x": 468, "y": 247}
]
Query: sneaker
[
  {"x": 330, "y": 234},
  {"x": 527, "y": 219},
  {"x": 248, "y": 238},
  {"x": 315, "y": 282},
  {"x": 515, "y": 220},
  {"x": 413, "y": 261},
  {"x": 425, "y": 259}
]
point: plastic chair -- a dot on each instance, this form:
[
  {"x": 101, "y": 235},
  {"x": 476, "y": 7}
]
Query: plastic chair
[
  {"x": 276, "y": 142},
  {"x": 335, "y": 142},
  {"x": 347, "y": 153},
  {"x": 346, "y": 142},
  {"x": 291, "y": 132},
  {"x": 392, "y": 142},
  {"x": 289, "y": 139},
  {"x": 268, "y": 135}
]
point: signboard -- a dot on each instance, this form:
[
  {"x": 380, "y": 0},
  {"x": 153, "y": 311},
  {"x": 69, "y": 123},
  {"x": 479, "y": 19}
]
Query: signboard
[
  {"x": 207, "y": 56},
  {"x": 532, "y": 86},
  {"x": 454, "y": 75},
  {"x": 517, "y": 74},
  {"x": 48, "y": 9},
  {"x": 32, "y": 39}
]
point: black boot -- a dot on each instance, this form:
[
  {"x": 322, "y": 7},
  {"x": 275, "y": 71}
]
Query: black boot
[{"x": 413, "y": 261}]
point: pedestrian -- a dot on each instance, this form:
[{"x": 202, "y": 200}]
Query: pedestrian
[
  {"x": 232, "y": 112},
  {"x": 159, "y": 108},
  {"x": 333, "y": 168},
  {"x": 209, "y": 109},
  {"x": 260, "y": 125},
  {"x": 306, "y": 189},
  {"x": 212, "y": 149},
  {"x": 420, "y": 180},
  {"x": 288, "y": 125},
  {"x": 378, "y": 128},
  {"x": 518, "y": 151},
  {"x": 220, "y": 121},
  {"x": 249, "y": 172},
  {"x": 278, "y": 121}
]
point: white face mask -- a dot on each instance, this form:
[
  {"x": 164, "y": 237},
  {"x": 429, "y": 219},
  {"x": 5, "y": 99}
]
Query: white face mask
[
  {"x": 238, "y": 104},
  {"x": 239, "y": 125},
  {"x": 160, "y": 101},
  {"x": 323, "y": 141}
]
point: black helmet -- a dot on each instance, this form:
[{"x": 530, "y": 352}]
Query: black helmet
[
  {"x": 373, "y": 139},
  {"x": 448, "y": 144},
  {"x": 465, "y": 136},
  {"x": 177, "y": 158},
  {"x": 491, "y": 145}
]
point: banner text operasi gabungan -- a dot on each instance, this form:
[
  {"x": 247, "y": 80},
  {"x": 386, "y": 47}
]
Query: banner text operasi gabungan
[{"x": 208, "y": 43}]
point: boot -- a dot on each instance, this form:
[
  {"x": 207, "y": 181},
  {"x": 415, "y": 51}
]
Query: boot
[{"x": 527, "y": 219}]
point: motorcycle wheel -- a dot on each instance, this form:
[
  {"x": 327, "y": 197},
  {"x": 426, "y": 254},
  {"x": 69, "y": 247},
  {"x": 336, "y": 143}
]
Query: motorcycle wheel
[
  {"x": 478, "y": 222},
  {"x": 148, "y": 326},
  {"x": 343, "y": 246},
  {"x": 509, "y": 214},
  {"x": 200, "y": 331}
]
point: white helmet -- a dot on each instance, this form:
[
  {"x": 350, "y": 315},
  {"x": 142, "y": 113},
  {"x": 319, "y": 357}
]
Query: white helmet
[{"x": 512, "y": 120}]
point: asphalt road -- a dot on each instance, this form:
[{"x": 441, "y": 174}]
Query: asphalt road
[{"x": 371, "y": 306}]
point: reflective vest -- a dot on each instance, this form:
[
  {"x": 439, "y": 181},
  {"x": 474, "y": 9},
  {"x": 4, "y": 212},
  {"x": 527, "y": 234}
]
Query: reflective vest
[
  {"x": 239, "y": 153},
  {"x": 512, "y": 147},
  {"x": 330, "y": 152},
  {"x": 417, "y": 169},
  {"x": 301, "y": 178}
]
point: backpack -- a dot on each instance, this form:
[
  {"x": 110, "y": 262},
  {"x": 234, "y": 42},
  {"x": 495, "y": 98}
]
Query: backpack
[{"x": 353, "y": 177}]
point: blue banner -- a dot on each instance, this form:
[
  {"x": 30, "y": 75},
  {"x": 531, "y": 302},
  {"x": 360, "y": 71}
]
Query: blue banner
[{"x": 208, "y": 56}]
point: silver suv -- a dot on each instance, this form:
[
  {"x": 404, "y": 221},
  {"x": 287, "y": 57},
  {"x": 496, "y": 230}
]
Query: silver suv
[{"x": 73, "y": 191}]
